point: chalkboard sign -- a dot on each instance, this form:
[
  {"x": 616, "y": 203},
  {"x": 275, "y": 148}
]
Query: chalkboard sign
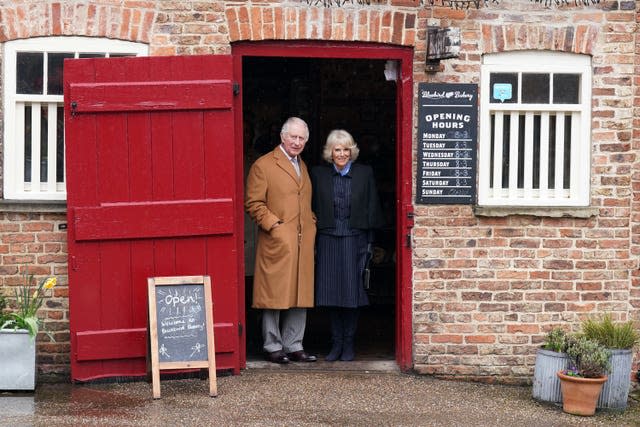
[
  {"x": 181, "y": 326},
  {"x": 447, "y": 140}
]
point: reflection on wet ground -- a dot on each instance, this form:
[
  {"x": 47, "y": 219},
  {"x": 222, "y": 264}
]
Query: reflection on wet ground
[{"x": 288, "y": 396}]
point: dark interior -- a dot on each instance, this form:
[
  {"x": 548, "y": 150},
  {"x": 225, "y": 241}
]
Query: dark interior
[{"x": 350, "y": 94}]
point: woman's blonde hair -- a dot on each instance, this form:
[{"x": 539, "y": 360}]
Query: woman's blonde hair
[{"x": 340, "y": 137}]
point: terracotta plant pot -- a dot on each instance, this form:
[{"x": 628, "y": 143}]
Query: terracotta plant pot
[{"x": 580, "y": 395}]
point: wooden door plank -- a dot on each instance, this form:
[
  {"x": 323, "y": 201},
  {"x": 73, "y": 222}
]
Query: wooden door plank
[
  {"x": 218, "y": 138},
  {"x": 112, "y": 155},
  {"x": 139, "y": 156},
  {"x": 131, "y": 343},
  {"x": 142, "y": 262},
  {"x": 191, "y": 256},
  {"x": 223, "y": 274},
  {"x": 116, "y": 309},
  {"x": 150, "y": 96},
  {"x": 154, "y": 219},
  {"x": 162, "y": 156},
  {"x": 141, "y": 188},
  {"x": 188, "y": 156},
  {"x": 112, "y": 344}
]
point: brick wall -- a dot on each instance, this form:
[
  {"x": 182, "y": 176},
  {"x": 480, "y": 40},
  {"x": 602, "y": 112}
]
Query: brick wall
[
  {"x": 485, "y": 288},
  {"x": 634, "y": 292},
  {"x": 35, "y": 240}
]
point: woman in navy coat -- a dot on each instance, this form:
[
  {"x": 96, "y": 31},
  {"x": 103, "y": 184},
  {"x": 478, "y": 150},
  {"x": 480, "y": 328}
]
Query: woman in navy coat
[{"x": 347, "y": 207}]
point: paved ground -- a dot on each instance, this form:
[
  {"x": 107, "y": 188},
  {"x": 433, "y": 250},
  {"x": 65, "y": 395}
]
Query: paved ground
[{"x": 271, "y": 396}]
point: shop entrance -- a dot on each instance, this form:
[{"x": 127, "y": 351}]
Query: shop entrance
[{"x": 361, "y": 96}]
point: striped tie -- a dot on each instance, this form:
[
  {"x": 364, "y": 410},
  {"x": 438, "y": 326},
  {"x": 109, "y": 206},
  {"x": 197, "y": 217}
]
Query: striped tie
[{"x": 296, "y": 165}]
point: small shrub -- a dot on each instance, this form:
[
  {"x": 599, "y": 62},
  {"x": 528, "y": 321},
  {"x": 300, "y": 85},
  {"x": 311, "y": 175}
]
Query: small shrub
[
  {"x": 609, "y": 334},
  {"x": 589, "y": 359},
  {"x": 556, "y": 340}
]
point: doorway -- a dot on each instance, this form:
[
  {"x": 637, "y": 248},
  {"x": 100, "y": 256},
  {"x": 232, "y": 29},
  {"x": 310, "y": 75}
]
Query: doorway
[
  {"x": 350, "y": 94},
  {"x": 345, "y": 88}
]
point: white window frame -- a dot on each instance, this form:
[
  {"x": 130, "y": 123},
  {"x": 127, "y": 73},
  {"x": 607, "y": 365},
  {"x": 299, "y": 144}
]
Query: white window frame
[
  {"x": 15, "y": 188},
  {"x": 578, "y": 193}
]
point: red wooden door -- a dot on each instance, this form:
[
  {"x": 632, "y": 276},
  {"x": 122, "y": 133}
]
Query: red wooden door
[{"x": 151, "y": 187}]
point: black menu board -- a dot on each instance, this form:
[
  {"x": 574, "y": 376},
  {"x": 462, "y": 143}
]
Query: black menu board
[
  {"x": 182, "y": 325},
  {"x": 447, "y": 139}
]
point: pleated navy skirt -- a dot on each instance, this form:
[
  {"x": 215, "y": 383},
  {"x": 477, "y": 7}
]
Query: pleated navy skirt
[{"x": 340, "y": 262}]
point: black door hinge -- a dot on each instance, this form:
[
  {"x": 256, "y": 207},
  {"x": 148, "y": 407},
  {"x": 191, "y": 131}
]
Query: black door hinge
[
  {"x": 240, "y": 328},
  {"x": 236, "y": 89}
]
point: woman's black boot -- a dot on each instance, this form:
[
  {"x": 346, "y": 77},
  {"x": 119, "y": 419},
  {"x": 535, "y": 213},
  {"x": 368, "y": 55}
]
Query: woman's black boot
[
  {"x": 336, "y": 335},
  {"x": 350, "y": 324}
]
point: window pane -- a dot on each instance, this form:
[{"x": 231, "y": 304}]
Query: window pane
[
  {"x": 504, "y": 87},
  {"x": 566, "y": 88},
  {"x": 30, "y": 69},
  {"x": 492, "y": 150},
  {"x": 537, "y": 119},
  {"x": 506, "y": 150},
  {"x": 521, "y": 153},
  {"x": 551, "y": 177},
  {"x": 27, "y": 143},
  {"x": 44, "y": 148},
  {"x": 567, "y": 152},
  {"x": 535, "y": 88},
  {"x": 60, "y": 146},
  {"x": 120, "y": 55},
  {"x": 54, "y": 72},
  {"x": 91, "y": 55}
]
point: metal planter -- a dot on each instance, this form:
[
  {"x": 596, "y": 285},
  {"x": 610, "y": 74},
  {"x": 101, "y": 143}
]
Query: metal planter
[
  {"x": 615, "y": 392},
  {"x": 546, "y": 384},
  {"x": 17, "y": 360}
]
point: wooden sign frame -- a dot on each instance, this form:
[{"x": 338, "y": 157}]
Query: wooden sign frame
[{"x": 156, "y": 364}]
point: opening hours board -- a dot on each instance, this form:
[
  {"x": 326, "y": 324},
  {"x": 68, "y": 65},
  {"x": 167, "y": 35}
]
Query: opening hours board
[{"x": 447, "y": 140}]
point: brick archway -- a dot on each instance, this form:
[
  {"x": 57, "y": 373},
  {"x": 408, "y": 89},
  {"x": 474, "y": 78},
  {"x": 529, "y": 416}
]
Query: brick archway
[
  {"x": 20, "y": 21},
  {"x": 274, "y": 22},
  {"x": 501, "y": 38}
]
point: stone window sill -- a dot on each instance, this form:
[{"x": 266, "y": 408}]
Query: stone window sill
[
  {"x": 551, "y": 212},
  {"x": 33, "y": 206}
]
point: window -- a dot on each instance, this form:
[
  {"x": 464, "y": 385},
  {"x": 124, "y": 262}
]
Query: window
[
  {"x": 34, "y": 112},
  {"x": 535, "y": 129}
]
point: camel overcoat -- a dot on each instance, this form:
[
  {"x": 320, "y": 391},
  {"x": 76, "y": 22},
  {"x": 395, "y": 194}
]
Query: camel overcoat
[{"x": 283, "y": 275}]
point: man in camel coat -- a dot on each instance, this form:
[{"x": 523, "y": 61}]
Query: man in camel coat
[{"x": 278, "y": 199}]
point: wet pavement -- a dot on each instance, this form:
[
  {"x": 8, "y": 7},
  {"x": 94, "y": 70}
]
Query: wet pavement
[{"x": 338, "y": 394}]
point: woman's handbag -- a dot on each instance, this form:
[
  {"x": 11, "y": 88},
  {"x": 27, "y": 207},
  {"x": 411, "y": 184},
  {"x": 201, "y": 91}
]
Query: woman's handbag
[{"x": 366, "y": 273}]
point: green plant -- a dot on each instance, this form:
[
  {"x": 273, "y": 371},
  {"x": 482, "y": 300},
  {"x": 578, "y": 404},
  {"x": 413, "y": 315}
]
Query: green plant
[
  {"x": 610, "y": 334},
  {"x": 589, "y": 359},
  {"x": 3, "y": 306},
  {"x": 29, "y": 299},
  {"x": 556, "y": 340}
]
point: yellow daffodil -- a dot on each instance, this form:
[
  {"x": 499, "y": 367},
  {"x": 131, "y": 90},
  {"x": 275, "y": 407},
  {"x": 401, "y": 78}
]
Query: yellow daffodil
[
  {"x": 28, "y": 303},
  {"x": 50, "y": 283}
]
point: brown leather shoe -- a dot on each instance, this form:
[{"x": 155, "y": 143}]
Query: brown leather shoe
[
  {"x": 301, "y": 356},
  {"x": 277, "y": 357}
]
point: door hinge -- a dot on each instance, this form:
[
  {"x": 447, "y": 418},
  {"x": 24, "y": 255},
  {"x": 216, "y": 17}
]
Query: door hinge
[
  {"x": 408, "y": 241},
  {"x": 240, "y": 329},
  {"x": 236, "y": 89}
]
